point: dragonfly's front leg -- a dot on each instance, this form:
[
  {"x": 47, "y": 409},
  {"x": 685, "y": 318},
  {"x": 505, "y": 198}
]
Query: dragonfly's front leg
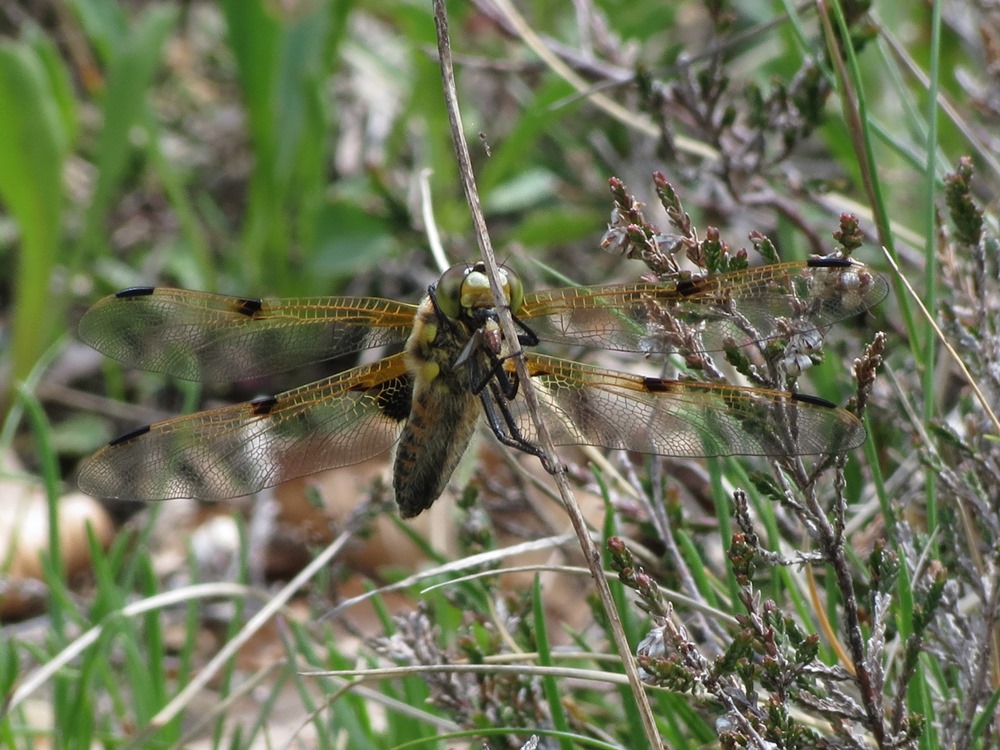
[
  {"x": 504, "y": 426},
  {"x": 502, "y": 422},
  {"x": 483, "y": 340}
]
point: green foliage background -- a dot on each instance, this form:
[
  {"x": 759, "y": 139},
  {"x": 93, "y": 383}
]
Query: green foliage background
[{"x": 264, "y": 147}]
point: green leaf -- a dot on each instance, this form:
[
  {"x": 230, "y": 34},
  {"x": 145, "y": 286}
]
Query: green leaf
[
  {"x": 348, "y": 239},
  {"x": 60, "y": 82},
  {"x": 534, "y": 125},
  {"x": 129, "y": 78},
  {"x": 34, "y": 141},
  {"x": 254, "y": 37},
  {"x": 549, "y": 684},
  {"x": 522, "y": 191},
  {"x": 557, "y": 225},
  {"x": 104, "y": 24}
]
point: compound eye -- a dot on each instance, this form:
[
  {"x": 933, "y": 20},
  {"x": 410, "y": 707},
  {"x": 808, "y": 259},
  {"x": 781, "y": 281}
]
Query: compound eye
[
  {"x": 449, "y": 289},
  {"x": 514, "y": 290}
]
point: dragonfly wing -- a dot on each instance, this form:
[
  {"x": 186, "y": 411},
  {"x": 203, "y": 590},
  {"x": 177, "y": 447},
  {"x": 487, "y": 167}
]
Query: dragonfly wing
[
  {"x": 240, "y": 449},
  {"x": 218, "y": 338},
  {"x": 585, "y": 405},
  {"x": 730, "y": 309}
]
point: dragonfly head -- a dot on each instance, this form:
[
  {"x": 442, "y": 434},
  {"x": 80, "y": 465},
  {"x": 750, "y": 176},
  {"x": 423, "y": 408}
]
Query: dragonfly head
[{"x": 466, "y": 287}]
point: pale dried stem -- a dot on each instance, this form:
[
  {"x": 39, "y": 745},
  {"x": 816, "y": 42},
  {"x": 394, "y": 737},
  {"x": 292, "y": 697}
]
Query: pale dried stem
[{"x": 590, "y": 550}]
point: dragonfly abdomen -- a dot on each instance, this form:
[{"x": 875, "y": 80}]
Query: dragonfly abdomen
[
  {"x": 443, "y": 414},
  {"x": 434, "y": 439}
]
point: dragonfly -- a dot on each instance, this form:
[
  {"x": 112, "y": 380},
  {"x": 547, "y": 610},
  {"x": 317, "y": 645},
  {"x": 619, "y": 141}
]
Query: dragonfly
[{"x": 456, "y": 369}]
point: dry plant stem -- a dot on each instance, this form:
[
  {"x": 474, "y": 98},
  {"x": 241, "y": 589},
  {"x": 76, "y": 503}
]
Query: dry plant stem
[
  {"x": 980, "y": 396},
  {"x": 430, "y": 226},
  {"x": 833, "y": 201},
  {"x": 871, "y": 698},
  {"x": 590, "y": 550},
  {"x": 197, "y": 729},
  {"x": 786, "y": 208},
  {"x": 979, "y": 685},
  {"x": 983, "y": 401},
  {"x": 811, "y": 515},
  {"x": 33, "y": 681}
]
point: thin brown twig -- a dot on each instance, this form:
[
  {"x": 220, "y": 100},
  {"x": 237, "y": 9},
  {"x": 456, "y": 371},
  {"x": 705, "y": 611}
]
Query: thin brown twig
[{"x": 590, "y": 550}]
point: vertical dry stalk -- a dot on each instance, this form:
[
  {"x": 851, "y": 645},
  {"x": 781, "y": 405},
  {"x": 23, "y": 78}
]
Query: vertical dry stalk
[{"x": 590, "y": 550}]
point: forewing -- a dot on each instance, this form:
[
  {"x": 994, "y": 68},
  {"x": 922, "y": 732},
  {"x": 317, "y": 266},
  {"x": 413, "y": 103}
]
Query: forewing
[
  {"x": 585, "y": 405},
  {"x": 731, "y": 309},
  {"x": 218, "y": 338},
  {"x": 240, "y": 449}
]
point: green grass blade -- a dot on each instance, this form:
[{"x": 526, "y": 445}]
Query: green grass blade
[
  {"x": 35, "y": 133},
  {"x": 130, "y": 76}
]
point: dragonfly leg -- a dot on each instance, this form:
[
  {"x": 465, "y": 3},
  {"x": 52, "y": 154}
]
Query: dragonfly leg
[
  {"x": 480, "y": 339},
  {"x": 527, "y": 337},
  {"x": 508, "y": 432},
  {"x": 508, "y": 382},
  {"x": 502, "y": 423}
]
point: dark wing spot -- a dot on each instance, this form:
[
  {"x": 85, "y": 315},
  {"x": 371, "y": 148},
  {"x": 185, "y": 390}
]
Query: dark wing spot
[
  {"x": 829, "y": 263},
  {"x": 135, "y": 291},
  {"x": 130, "y": 435},
  {"x": 263, "y": 405},
  {"x": 687, "y": 287},
  {"x": 658, "y": 385},
  {"x": 191, "y": 476},
  {"x": 395, "y": 397},
  {"x": 814, "y": 400},
  {"x": 248, "y": 306}
]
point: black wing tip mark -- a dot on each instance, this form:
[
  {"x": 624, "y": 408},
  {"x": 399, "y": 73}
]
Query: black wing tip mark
[
  {"x": 129, "y": 436},
  {"x": 830, "y": 263},
  {"x": 135, "y": 291},
  {"x": 814, "y": 400}
]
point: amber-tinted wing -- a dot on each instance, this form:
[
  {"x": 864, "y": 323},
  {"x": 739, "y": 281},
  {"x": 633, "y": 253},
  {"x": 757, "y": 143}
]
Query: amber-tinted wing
[
  {"x": 240, "y": 449},
  {"x": 753, "y": 305},
  {"x": 217, "y": 338},
  {"x": 585, "y": 405}
]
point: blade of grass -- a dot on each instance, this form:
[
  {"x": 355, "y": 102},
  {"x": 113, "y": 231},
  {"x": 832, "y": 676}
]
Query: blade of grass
[
  {"x": 549, "y": 685},
  {"x": 848, "y": 75},
  {"x": 280, "y": 63},
  {"x": 104, "y": 23},
  {"x": 35, "y": 136},
  {"x": 930, "y": 249},
  {"x": 130, "y": 75},
  {"x": 255, "y": 623}
]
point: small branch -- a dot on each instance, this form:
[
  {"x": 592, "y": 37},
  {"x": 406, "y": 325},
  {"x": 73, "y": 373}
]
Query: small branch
[{"x": 590, "y": 550}]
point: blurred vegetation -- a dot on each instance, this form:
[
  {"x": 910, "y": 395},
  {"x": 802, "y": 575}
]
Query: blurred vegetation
[{"x": 276, "y": 147}]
